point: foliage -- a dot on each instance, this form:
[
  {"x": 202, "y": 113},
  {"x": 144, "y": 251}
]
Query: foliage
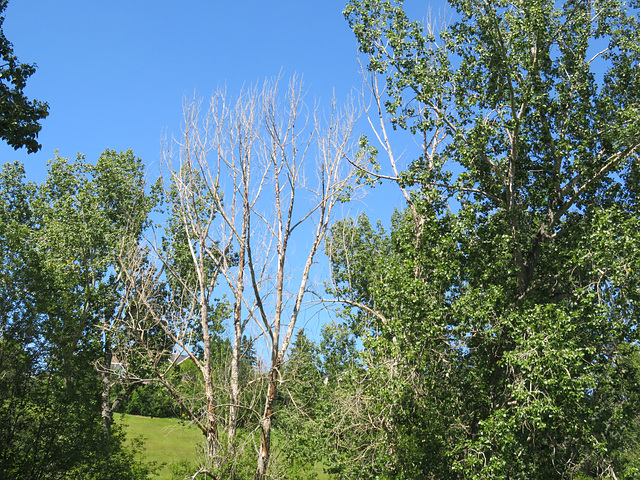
[
  {"x": 494, "y": 335},
  {"x": 19, "y": 116},
  {"x": 337, "y": 352},
  {"x": 58, "y": 241},
  {"x": 299, "y": 409},
  {"x": 151, "y": 400}
]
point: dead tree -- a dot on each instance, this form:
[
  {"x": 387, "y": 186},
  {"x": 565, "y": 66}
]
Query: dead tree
[{"x": 251, "y": 195}]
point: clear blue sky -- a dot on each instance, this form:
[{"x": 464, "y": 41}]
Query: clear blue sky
[{"x": 115, "y": 73}]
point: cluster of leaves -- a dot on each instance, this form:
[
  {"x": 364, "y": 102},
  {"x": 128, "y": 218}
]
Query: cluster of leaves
[
  {"x": 150, "y": 400},
  {"x": 19, "y": 116}
]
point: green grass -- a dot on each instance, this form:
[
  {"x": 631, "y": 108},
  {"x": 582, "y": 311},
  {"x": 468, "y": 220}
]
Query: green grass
[{"x": 166, "y": 440}]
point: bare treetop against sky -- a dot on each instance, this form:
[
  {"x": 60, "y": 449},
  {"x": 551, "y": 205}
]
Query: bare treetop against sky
[{"x": 115, "y": 73}]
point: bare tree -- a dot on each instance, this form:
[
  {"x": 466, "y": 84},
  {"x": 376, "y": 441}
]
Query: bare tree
[{"x": 251, "y": 195}]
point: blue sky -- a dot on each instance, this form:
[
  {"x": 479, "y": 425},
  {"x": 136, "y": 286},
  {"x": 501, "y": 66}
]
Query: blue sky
[{"x": 115, "y": 73}]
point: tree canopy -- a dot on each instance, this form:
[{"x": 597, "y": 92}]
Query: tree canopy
[
  {"x": 58, "y": 243},
  {"x": 503, "y": 302}
]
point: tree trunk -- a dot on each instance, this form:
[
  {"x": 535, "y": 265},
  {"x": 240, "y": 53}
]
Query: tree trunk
[
  {"x": 213, "y": 442},
  {"x": 265, "y": 424},
  {"x": 237, "y": 340},
  {"x": 107, "y": 411},
  {"x": 234, "y": 387}
]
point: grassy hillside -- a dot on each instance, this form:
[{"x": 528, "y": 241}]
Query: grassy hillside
[{"x": 167, "y": 440}]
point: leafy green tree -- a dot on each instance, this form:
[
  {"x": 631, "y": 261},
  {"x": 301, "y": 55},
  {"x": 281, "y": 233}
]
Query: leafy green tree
[
  {"x": 396, "y": 401},
  {"x": 19, "y": 116},
  {"x": 337, "y": 350},
  {"x": 493, "y": 334},
  {"x": 88, "y": 214},
  {"x": 55, "y": 275},
  {"x": 151, "y": 400},
  {"x": 20, "y": 342}
]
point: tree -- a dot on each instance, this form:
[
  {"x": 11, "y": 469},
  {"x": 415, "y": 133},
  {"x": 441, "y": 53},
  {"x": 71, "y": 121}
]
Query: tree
[
  {"x": 19, "y": 116},
  {"x": 286, "y": 151},
  {"x": 87, "y": 211},
  {"x": 396, "y": 405},
  {"x": 493, "y": 330},
  {"x": 58, "y": 241},
  {"x": 177, "y": 298},
  {"x": 252, "y": 177}
]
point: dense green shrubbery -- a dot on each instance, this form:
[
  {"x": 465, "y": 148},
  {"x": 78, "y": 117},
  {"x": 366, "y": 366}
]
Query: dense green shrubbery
[{"x": 151, "y": 400}]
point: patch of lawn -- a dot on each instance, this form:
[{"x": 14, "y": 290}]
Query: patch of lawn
[{"x": 166, "y": 440}]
